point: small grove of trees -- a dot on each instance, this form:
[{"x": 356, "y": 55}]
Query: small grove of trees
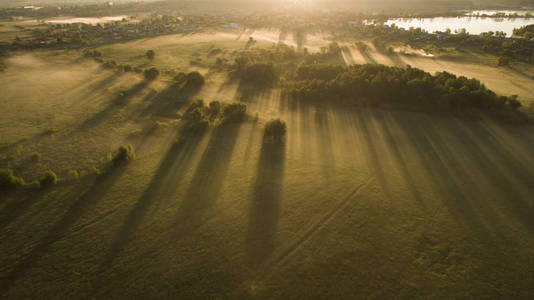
[
  {"x": 255, "y": 73},
  {"x": 9, "y": 181},
  {"x": 275, "y": 130},
  {"x": 199, "y": 115},
  {"x": 151, "y": 74},
  {"x": 150, "y": 54},
  {"x": 409, "y": 88}
]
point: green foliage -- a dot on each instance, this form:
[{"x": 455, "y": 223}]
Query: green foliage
[
  {"x": 150, "y": 54},
  {"x": 48, "y": 179},
  {"x": 410, "y": 88},
  {"x": 36, "y": 156},
  {"x": 123, "y": 155},
  {"x": 151, "y": 74},
  {"x": 8, "y": 181},
  {"x": 74, "y": 175},
  {"x": 503, "y": 61},
  {"x": 214, "y": 109},
  {"x": 50, "y": 130},
  {"x": 234, "y": 112},
  {"x": 194, "y": 80},
  {"x": 110, "y": 64},
  {"x": 259, "y": 74},
  {"x": 275, "y": 130}
]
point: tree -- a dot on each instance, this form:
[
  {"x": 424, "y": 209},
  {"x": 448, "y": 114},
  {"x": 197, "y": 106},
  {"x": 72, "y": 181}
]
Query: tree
[
  {"x": 49, "y": 179},
  {"x": 123, "y": 155},
  {"x": 151, "y": 74},
  {"x": 150, "y": 54},
  {"x": 8, "y": 181},
  {"x": 234, "y": 112},
  {"x": 275, "y": 130}
]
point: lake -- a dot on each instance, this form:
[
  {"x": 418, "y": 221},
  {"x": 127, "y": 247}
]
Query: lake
[
  {"x": 86, "y": 20},
  {"x": 473, "y": 25}
]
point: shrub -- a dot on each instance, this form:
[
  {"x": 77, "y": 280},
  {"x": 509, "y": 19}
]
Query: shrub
[
  {"x": 151, "y": 74},
  {"x": 50, "y": 130},
  {"x": 74, "y": 174},
  {"x": 127, "y": 68},
  {"x": 234, "y": 112},
  {"x": 8, "y": 181},
  {"x": 275, "y": 129},
  {"x": 514, "y": 103},
  {"x": 150, "y": 54},
  {"x": 180, "y": 77},
  {"x": 123, "y": 155},
  {"x": 110, "y": 64},
  {"x": 503, "y": 61},
  {"x": 36, "y": 156},
  {"x": 49, "y": 179}
]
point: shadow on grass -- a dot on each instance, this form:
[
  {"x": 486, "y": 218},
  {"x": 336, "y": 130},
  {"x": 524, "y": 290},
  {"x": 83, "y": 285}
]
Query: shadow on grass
[
  {"x": 167, "y": 102},
  {"x": 367, "y": 57},
  {"x": 116, "y": 103},
  {"x": 446, "y": 173},
  {"x": 208, "y": 179},
  {"x": 395, "y": 59},
  {"x": 392, "y": 144},
  {"x": 170, "y": 172},
  {"x": 347, "y": 55},
  {"x": 324, "y": 143},
  {"x": 86, "y": 201},
  {"x": 265, "y": 206}
]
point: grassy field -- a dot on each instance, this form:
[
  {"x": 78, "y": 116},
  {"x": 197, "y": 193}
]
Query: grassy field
[{"x": 355, "y": 203}]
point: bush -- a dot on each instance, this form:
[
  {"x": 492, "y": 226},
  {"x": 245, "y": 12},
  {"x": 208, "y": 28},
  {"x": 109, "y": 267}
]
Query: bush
[
  {"x": 275, "y": 129},
  {"x": 49, "y": 179},
  {"x": 8, "y": 181},
  {"x": 123, "y": 155},
  {"x": 234, "y": 112},
  {"x": 74, "y": 174},
  {"x": 36, "y": 156},
  {"x": 151, "y": 74},
  {"x": 503, "y": 61},
  {"x": 150, "y": 54}
]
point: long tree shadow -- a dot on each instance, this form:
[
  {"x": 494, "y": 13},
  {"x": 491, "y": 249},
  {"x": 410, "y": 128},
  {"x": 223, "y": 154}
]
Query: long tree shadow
[
  {"x": 265, "y": 203},
  {"x": 88, "y": 200},
  {"x": 347, "y": 55},
  {"x": 116, "y": 103},
  {"x": 372, "y": 150},
  {"x": 512, "y": 182},
  {"x": 324, "y": 143},
  {"x": 20, "y": 201},
  {"x": 170, "y": 100},
  {"x": 441, "y": 165},
  {"x": 395, "y": 150},
  {"x": 367, "y": 57},
  {"x": 208, "y": 178},
  {"x": 395, "y": 59},
  {"x": 170, "y": 172}
]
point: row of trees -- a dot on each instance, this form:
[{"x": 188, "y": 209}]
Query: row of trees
[
  {"x": 9, "y": 181},
  {"x": 379, "y": 85}
]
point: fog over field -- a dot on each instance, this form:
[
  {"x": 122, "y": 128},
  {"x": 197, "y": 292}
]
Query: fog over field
[{"x": 285, "y": 149}]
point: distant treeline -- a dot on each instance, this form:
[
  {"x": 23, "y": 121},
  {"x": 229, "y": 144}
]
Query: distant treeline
[{"x": 396, "y": 87}]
